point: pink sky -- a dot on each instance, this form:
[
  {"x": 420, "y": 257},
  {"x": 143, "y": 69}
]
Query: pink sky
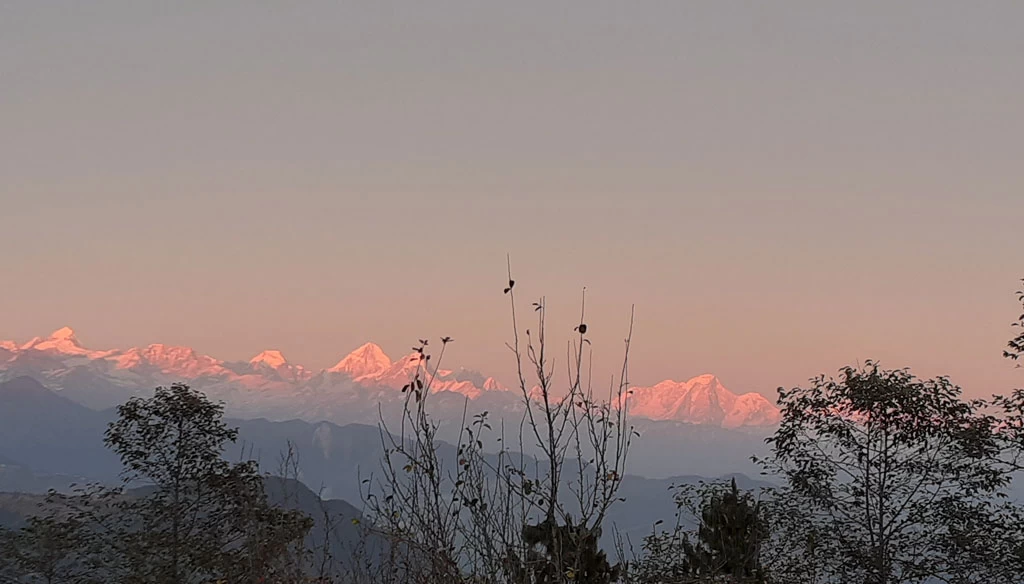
[{"x": 778, "y": 192}]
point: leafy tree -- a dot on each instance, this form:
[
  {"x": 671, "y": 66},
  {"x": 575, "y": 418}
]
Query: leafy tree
[
  {"x": 794, "y": 550},
  {"x": 190, "y": 516},
  {"x": 201, "y": 515},
  {"x": 899, "y": 477},
  {"x": 730, "y": 536},
  {"x": 567, "y": 552},
  {"x": 725, "y": 546},
  {"x": 663, "y": 559},
  {"x": 47, "y": 551}
]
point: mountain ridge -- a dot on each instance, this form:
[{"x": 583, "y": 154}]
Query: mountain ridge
[
  {"x": 331, "y": 459},
  {"x": 262, "y": 384}
]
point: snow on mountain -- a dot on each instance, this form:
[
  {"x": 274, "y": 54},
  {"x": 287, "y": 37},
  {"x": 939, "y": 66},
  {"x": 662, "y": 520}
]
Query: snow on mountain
[
  {"x": 492, "y": 384},
  {"x": 62, "y": 341},
  {"x": 269, "y": 385},
  {"x": 183, "y": 362},
  {"x": 369, "y": 365},
  {"x": 752, "y": 409},
  {"x": 366, "y": 361},
  {"x": 701, "y": 400},
  {"x": 273, "y": 364},
  {"x": 400, "y": 372},
  {"x": 270, "y": 358}
]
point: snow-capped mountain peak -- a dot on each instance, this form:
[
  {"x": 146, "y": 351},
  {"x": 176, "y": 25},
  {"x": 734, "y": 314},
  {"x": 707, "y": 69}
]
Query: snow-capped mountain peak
[
  {"x": 367, "y": 360},
  {"x": 271, "y": 358},
  {"x": 180, "y": 362},
  {"x": 368, "y": 377},
  {"x": 64, "y": 334},
  {"x": 62, "y": 340},
  {"x": 492, "y": 384},
  {"x": 706, "y": 379},
  {"x": 271, "y": 366},
  {"x": 702, "y": 399}
]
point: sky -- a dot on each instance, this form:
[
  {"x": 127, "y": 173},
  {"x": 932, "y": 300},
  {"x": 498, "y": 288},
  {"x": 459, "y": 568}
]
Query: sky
[{"x": 780, "y": 189}]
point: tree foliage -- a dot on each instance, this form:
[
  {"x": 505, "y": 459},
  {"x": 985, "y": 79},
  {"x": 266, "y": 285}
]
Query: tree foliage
[
  {"x": 730, "y": 536},
  {"x": 47, "y": 550},
  {"x": 900, "y": 477},
  {"x": 726, "y": 544},
  {"x": 184, "y": 514}
]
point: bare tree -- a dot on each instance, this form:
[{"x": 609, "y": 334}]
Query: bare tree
[{"x": 507, "y": 516}]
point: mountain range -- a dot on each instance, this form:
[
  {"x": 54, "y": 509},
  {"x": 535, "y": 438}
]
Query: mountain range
[
  {"x": 49, "y": 442},
  {"x": 359, "y": 388}
]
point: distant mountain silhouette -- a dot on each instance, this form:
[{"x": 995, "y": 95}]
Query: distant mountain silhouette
[
  {"x": 50, "y": 433},
  {"x": 56, "y": 438}
]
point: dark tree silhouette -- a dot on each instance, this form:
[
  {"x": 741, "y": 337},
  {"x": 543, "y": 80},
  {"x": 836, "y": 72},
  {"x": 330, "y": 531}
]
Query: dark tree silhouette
[
  {"x": 48, "y": 550},
  {"x": 552, "y": 547},
  {"x": 727, "y": 544},
  {"x": 189, "y": 517},
  {"x": 729, "y": 537},
  {"x": 900, "y": 476}
]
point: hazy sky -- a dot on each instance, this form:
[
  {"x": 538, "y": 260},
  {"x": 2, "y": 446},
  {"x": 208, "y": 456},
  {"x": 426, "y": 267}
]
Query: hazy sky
[{"x": 780, "y": 188}]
